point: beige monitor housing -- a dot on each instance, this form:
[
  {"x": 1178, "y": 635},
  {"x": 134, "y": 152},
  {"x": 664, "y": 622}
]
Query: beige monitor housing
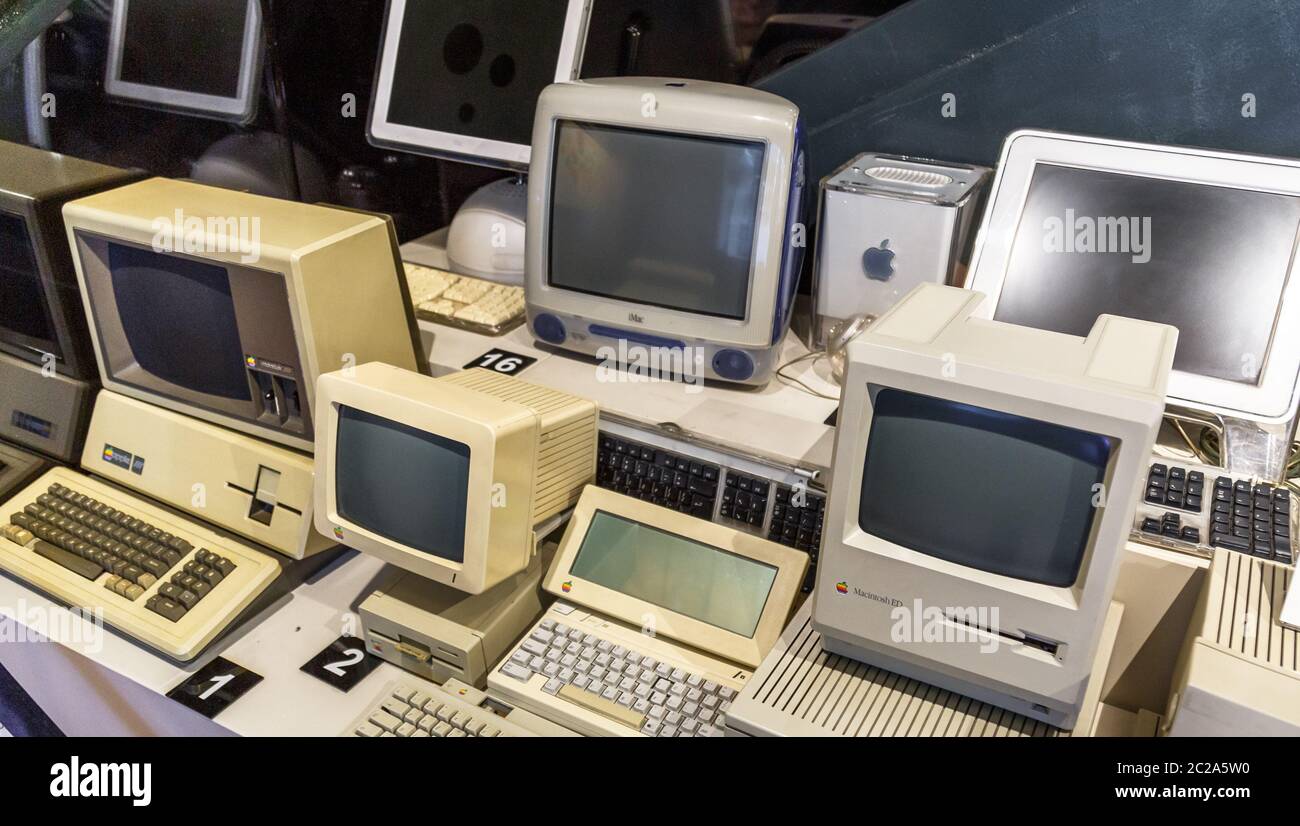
[
  {"x": 525, "y": 454},
  {"x": 986, "y": 616},
  {"x": 287, "y": 291},
  {"x": 677, "y": 623}
]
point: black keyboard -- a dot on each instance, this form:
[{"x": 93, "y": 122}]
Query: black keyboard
[{"x": 780, "y": 512}]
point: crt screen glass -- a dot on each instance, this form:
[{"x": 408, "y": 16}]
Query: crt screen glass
[
  {"x": 1211, "y": 261},
  {"x": 186, "y": 45},
  {"x": 407, "y": 485},
  {"x": 475, "y": 68},
  {"x": 989, "y": 490},
  {"x": 654, "y": 218},
  {"x": 24, "y": 314},
  {"x": 179, "y": 320},
  {"x": 700, "y": 581}
]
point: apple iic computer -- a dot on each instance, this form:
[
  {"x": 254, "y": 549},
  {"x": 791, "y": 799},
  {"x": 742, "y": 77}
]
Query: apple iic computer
[
  {"x": 665, "y": 215},
  {"x": 453, "y": 481},
  {"x": 413, "y": 708},
  {"x": 47, "y": 368},
  {"x": 210, "y": 313},
  {"x": 1078, "y": 226},
  {"x": 1008, "y": 566},
  {"x": 659, "y": 620}
]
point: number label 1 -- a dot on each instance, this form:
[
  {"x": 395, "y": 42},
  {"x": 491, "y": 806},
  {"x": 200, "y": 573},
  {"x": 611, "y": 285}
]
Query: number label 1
[
  {"x": 342, "y": 664},
  {"x": 503, "y": 362},
  {"x": 212, "y": 688}
]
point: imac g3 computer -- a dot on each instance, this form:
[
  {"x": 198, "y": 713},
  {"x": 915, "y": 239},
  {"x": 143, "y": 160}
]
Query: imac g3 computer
[
  {"x": 985, "y": 480},
  {"x": 664, "y": 214},
  {"x": 1078, "y": 226},
  {"x": 47, "y": 368},
  {"x": 452, "y": 480},
  {"x": 201, "y": 57}
]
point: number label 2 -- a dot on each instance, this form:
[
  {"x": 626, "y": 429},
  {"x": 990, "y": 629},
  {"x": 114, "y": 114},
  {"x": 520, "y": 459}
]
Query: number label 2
[{"x": 342, "y": 664}]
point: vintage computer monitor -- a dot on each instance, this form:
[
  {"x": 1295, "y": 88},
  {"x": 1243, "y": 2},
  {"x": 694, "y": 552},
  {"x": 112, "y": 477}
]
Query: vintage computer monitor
[
  {"x": 453, "y": 481},
  {"x": 665, "y": 214},
  {"x": 47, "y": 367},
  {"x": 1079, "y": 226},
  {"x": 201, "y": 57},
  {"x": 985, "y": 479}
]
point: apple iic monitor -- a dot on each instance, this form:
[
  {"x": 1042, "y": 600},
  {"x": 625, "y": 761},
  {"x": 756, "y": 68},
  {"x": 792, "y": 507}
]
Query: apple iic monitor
[
  {"x": 47, "y": 367},
  {"x": 459, "y": 79},
  {"x": 986, "y": 476},
  {"x": 1079, "y": 226},
  {"x": 666, "y": 214},
  {"x": 226, "y": 306},
  {"x": 448, "y": 478},
  {"x": 202, "y": 57}
]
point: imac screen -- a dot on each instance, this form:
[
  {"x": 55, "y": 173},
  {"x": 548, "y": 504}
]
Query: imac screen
[
  {"x": 654, "y": 218},
  {"x": 405, "y": 484},
  {"x": 179, "y": 320},
  {"x": 193, "y": 46},
  {"x": 993, "y": 491},
  {"x": 24, "y": 314},
  {"x": 709, "y": 584},
  {"x": 1209, "y": 260}
]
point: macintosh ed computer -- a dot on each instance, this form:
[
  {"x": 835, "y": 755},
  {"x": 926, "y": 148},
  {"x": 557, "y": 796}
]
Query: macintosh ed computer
[
  {"x": 985, "y": 479},
  {"x": 666, "y": 214}
]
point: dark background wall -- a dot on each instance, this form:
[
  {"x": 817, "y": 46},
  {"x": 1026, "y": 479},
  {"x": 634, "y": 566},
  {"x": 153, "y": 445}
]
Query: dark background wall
[{"x": 1169, "y": 71}]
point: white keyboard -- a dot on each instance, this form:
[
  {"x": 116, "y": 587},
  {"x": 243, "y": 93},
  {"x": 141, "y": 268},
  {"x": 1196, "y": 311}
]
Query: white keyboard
[
  {"x": 600, "y": 677},
  {"x": 409, "y": 709},
  {"x": 165, "y": 580},
  {"x": 464, "y": 301}
]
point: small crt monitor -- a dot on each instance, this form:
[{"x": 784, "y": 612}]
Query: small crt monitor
[
  {"x": 225, "y": 306},
  {"x": 1079, "y": 226},
  {"x": 202, "y": 57},
  {"x": 986, "y": 476},
  {"x": 459, "y": 79},
  {"x": 448, "y": 478},
  {"x": 665, "y": 215}
]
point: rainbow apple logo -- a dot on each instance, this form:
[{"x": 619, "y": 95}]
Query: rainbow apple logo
[
  {"x": 250, "y": 361},
  {"x": 566, "y": 587},
  {"x": 338, "y": 533},
  {"x": 842, "y": 587}
]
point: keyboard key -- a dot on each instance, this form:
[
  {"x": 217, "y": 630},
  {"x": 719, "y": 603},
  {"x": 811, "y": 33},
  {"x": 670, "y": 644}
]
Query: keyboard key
[{"x": 67, "y": 559}]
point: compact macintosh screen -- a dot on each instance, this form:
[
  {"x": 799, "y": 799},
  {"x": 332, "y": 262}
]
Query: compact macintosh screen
[
  {"x": 989, "y": 490},
  {"x": 405, "y": 484},
  {"x": 1209, "y": 260},
  {"x": 194, "y": 46},
  {"x": 700, "y": 581},
  {"x": 654, "y": 218},
  {"x": 25, "y": 319},
  {"x": 464, "y": 69}
]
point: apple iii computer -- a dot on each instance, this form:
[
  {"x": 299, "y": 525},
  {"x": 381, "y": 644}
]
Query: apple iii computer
[
  {"x": 453, "y": 481},
  {"x": 666, "y": 214},
  {"x": 47, "y": 368},
  {"x": 211, "y": 312},
  {"x": 985, "y": 478}
]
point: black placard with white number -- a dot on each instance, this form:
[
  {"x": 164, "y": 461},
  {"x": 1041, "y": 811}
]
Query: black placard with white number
[
  {"x": 212, "y": 688},
  {"x": 343, "y": 664},
  {"x": 502, "y": 361}
]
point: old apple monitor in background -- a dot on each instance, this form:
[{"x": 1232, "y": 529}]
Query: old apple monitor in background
[
  {"x": 662, "y": 214},
  {"x": 234, "y": 329},
  {"x": 986, "y": 476},
  {"x": 459, "y": 79},
  {"x": 448, "y": 478},
  {"x": 1206, "y": 241},
  {"x": 196, "y": 56}
]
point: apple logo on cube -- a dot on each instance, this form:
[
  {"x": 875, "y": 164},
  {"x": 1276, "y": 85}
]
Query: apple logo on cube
[{"x": 878, "y": 262}]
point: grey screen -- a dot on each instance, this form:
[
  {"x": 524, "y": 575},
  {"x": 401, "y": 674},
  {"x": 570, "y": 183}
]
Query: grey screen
[
  {"x": 187, "y": 45},
  {"x": 654, "y": 217},
  {"x": 405, "y": 484},
  {"x": 475, "y": 68},
  {"x": 982, "y": 488},
  {"x": 700, "y": 581},
  {"x": 1218, "y": 260},
  {"x": 25, "y": 319}
]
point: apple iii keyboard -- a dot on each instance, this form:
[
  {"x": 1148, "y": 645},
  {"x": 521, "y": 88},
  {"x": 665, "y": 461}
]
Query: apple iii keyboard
[
  {"x": 463, "y": 301},
  {"x": 161, "y": 579}
]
